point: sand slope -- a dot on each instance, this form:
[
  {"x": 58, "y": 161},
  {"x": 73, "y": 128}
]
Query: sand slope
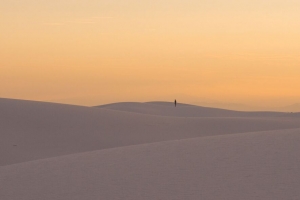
[
  {"x": 146, "y": 151},
  {"x": 36, "y": 130},
  {"x": 240, "y": 166}
]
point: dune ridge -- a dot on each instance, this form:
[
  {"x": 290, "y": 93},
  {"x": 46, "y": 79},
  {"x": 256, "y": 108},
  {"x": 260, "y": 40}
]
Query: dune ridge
[{"x": 185, "y": 110}]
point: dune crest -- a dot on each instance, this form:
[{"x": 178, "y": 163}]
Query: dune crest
[{"x": 184, "y": 110}]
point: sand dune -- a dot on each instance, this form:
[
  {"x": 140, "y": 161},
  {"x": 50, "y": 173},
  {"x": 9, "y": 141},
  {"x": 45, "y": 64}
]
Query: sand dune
[
  {"x": 36, "y": 130},
  {"x": 146, "y": 151},
  {"x": 239, "y": 166},
  {"x": 184, "y": 110}
]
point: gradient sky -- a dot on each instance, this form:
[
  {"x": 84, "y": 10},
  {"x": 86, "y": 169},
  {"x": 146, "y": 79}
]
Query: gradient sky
[{"x": 101, "y": 51}]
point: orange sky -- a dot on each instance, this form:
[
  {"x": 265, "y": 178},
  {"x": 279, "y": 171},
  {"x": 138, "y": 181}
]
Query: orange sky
[{"x": 198, "y": 51}]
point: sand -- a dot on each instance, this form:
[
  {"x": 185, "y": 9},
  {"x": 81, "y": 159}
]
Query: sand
[{"x": 55, "y": 151}]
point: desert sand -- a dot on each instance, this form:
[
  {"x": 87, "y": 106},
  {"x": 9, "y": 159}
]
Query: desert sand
[{"x": 146, "y": 151}]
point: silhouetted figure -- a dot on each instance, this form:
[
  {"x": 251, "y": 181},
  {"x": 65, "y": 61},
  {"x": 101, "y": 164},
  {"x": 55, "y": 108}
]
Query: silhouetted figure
[{"x": 175, "y": 102}]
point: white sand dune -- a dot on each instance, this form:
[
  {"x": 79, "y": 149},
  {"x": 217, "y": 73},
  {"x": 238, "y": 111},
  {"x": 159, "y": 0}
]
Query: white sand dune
[
  {"x": 36, "y": 130},
  {"x": 146, "y": 151},
  {"x": 184, "y": 110},
  {"x": 240, "y": 166}
]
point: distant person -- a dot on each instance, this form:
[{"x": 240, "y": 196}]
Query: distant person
[{"x": 175, "y": 102}]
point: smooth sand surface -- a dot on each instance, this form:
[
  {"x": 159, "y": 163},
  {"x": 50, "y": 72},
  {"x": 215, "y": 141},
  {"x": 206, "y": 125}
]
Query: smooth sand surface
[
  {"x": 240, "y": 166},
  {"x": 55, "y": 151}
]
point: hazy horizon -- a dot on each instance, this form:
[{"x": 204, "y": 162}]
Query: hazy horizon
[
  {"x": 210, "y": 104},
  {"x": 217, "y": 53}
]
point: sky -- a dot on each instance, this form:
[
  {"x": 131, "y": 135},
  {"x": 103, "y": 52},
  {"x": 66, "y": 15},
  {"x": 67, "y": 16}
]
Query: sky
[{"x": 204, "y": 52}]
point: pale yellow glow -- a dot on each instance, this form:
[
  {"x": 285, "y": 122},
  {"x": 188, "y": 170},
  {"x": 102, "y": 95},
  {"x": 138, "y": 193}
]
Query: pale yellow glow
[{"x": 197, "y": 51}]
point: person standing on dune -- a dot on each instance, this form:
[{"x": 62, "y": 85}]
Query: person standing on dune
[{"x": 175, "y": 102}]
